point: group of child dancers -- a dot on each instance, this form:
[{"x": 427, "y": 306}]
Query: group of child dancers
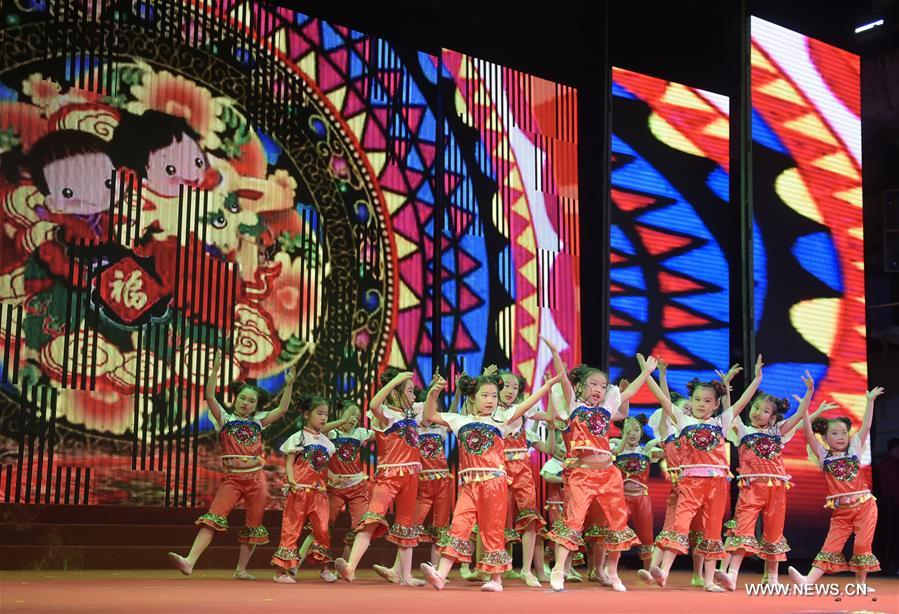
[{"x": 597, "y": 492}]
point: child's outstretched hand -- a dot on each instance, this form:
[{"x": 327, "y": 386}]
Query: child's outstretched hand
[
  {"x": 401, "y": 377},
  {"x": 290, "y": 375},
  {"x": 758, "y": 366},
  {"x": 647, "y": 364},
  {"x": 437, "y": 384},
  {"x": 491, "y": 370},
  {"x": 217, "y": 360},
  {"x": 549, "y": 344},
  {"x": 874, "y": 393},
  {"x": 809, "y": 382},
  {"x": 663, "y": 366},
  {"x": 823, "y": 407},
  {"x": 728, "y": 377}
]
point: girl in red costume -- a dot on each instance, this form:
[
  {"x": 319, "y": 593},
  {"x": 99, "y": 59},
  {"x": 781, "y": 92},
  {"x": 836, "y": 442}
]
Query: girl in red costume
[
  {"x": 308, "y": 455},
  {"x": 590, "y": 406},
  {"x": 484, "y": 494},
  {"x": 240, "y": 435},
  {"x": 522, "y": 489},
  {"x": 763, "y": 482},
  {"x": 704, "y": 473},
  {"x": 395, "y": 417},
  {"x": 633, "y": 459},
  {"x": 849, "y": 496}
]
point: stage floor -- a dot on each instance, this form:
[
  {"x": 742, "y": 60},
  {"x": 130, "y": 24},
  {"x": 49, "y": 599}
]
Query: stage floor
[{"x": 214, "y": 591}]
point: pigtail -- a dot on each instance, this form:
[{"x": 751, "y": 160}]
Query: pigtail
[
  {"x": 388, "y": 374},
  {"x": 692, "y": 385},
  {"x": 715, "y": 386},
  {"x": 819, "y": 425},
  {"x": 467, "y": 385},
  {"x": 264, "y": 396}
]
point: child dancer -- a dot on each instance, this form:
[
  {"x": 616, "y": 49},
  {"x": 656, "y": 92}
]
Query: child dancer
[
  {"x": 704, "y": 473},
  {"x": 763, "y": 482},
  {"x": 590, "y": 406},
  {"x": 484, "y": 494},
  {"x": 518, "y": 468},
  {"x": 551, "y": 472},
  {"x": 348, "y": 486},
  {"x": 240, "y": 436},
  {"x": 633, "y": 459},
  {"x": 396, "y": 480},
  {"x": 308, "y": 453},
  {"x": 854, "y": 510},
  {"x": 435, "y": 492}
]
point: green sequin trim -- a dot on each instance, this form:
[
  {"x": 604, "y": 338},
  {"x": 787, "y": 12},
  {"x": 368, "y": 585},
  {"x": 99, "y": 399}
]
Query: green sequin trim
[
  {"x": 254, "y": 532},
  {"x": 694, "y": 536},
  {"x": 778, "y": 547},
  {"x": 497, "y": 557},
  {"x": 461, "y": 546},
  {"x": 594, "y": 530},
  {"x": 510, "y": 535},
  {"x": 730, "y": 524},
  {"x": 527, "y": 512},
  {"x": 372, "y": 516},
  {"x": 835, "y": 558},
  {"x": 679, "y": 538},
  {"x": 863, "y": 560},
  {"x": 618, "y": 537},
  {"x": 404, "y": 532},
  {"x": 561, "y": 530},
  {"x": 438, "y": 533},
  {"x": 324, "y": 554},
  {"x": 737, "y": 542},
  {"x": 709, "y": 546},
  {"x": 348, "y": 537},
  {"x": 220, "y": 521},
  {"x": 645, "y": 550},
  {"x": 287, "y": 554}
]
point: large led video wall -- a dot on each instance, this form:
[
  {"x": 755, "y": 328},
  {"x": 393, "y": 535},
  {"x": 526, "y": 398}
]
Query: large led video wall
[
  {"x": 808, "y": 241},
  {"x": 181, "y": 177}
]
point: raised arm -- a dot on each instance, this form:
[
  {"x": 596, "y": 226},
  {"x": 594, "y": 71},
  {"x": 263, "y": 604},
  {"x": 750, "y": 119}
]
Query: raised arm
[
  {"x": 726, "y": 379},
  {"x": 662, "y": 396},
  {"x": 663, "y": 379},
  {"x": 559, "y": 367},
  {"x": 802, "y": 411},
  {"x": 648, "y": 365},
  {"x": 457, "y": 394},
  {"x": 865, "y": 428},
  {"x": 548, "y": 444},
  {"x": 538, "y": 394},
  {"x": 438, "y": 385},
  {"x": 345, "y": 418},
  {"x": 750, "y": 391},
  {"x": 215, "y": 408},
  {"x": 380, "y": 397},
  {"x": 278, "y": 412},
  {"x": 816, "y": 448}
]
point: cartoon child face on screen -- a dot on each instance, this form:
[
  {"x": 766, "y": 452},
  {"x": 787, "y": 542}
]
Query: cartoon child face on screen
[
  {"x": 73, "y": 170},
  {"x": 161, "y": 148}
]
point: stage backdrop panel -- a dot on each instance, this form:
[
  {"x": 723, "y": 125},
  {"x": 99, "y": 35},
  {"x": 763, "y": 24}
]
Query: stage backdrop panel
[
  {"x": 808, "y": 240},
  {"x": 670, "y": 195},
  {"x": 185, "y": 176}
]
